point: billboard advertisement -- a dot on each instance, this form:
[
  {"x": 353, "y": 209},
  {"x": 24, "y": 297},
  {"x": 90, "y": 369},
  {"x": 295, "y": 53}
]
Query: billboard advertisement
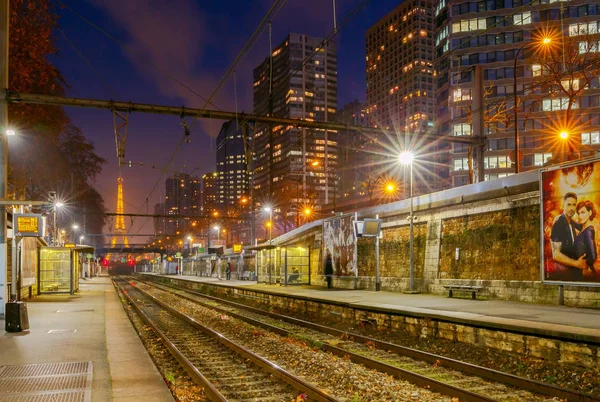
[
  {"x": 339, "y": 244},
  {"x": 570, "y": 224}
]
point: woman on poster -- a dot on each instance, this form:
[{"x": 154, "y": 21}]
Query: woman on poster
[{"x": 585, "y": 241}]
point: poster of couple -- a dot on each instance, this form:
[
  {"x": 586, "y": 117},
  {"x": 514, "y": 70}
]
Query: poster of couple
[{"x": 570, "y": 216}]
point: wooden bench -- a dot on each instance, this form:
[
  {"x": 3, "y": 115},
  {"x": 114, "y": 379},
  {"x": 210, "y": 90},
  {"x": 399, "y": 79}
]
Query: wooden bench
[
  {"x": 51, "y": 287},
  {"x": 464, "y": 288}
]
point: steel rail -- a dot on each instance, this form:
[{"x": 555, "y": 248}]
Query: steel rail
[
  {"x": 397, "y": 372},
  {"x": 468, "y": 368},
  {"x": 296, "y": 382},
  {"x": 211, "y": 392}
]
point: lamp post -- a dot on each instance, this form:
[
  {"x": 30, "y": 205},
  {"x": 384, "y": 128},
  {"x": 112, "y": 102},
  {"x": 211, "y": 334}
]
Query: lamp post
[
  {"x": 218, "y": 229},
  {"x": 81, "y": 239},
  {"x": 545, "y": 41},
  {"x": 407, "y": 158},
  {"x": 75, "y": 227},
  {"x": 56, "y": 206},
  {"x": 296, "y": 172},
  {"x": 270, "y": 223}
]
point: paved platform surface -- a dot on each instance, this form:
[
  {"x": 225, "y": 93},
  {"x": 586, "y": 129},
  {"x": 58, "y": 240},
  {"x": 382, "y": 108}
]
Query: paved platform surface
[
  {"x": 555, "y": 321},
  {"x": 122, "y": 369}
]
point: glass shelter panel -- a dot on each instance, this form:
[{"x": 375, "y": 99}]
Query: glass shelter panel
[
  {"x": 56, "y": 273},
  {"x": 267, "y": 264},
  {"x": 297, "y": 266}
]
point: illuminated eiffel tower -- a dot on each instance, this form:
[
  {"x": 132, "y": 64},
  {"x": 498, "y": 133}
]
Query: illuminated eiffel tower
[{"x": 120, "y": 237}]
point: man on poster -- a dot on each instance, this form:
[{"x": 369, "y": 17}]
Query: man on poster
[{"x": 567, "y": 265}]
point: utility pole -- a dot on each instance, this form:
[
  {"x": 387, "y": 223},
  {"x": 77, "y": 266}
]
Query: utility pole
[
  {"x": 4, "y": 15},
  {"x": 478, "y": 126}
]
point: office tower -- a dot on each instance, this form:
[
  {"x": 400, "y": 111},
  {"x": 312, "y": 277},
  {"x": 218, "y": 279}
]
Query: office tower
[
  {"x": 160, "y": 223},
  {"x": 183, "y": 200},
  {"x": 356, "y": 162},
  {"x": 210, "y": 182},
  {"x": 479, "y": 44},
  {"x": 303, "y": 85},
  {"x": 233, "y": 178},
  {"x": 401, "y": 89}
]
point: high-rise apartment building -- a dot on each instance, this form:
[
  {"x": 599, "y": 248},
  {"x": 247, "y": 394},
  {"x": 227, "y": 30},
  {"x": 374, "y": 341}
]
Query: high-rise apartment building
[
  {"x": 210, "y": 185},
  {"x": 400, "y": 82},
  {"x": 160, "y": 223},
  {"x": 401, "y": 88},
  {"x": 233, "y": 178},
  {"x": 183, "y": 197},
  {"x": 298, "y": 80},
  {"x": 478, "y": 44},
  {"x": 355, "y": 161}
]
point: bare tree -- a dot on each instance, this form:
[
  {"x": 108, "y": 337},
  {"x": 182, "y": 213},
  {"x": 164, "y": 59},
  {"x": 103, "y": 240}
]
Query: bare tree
[{"x": 566, "y": 69}]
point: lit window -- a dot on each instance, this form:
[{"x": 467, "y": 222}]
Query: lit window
[
  {"x": 461, "y": 164},
  {"x": 541, "y": 159},
  {"x": 536, "y": 70},
  {"x": 522, "y": 18}
]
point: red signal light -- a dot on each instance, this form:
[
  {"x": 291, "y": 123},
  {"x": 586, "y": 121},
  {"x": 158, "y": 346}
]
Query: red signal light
[
  {"x": 104, "y": 262},
  {"x": 131, "y": 262}
]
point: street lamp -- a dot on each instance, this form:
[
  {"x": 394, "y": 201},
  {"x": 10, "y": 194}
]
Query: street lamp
[
  {"x": 81, "y": 239},
  {"x": 545, "y": 41},
  {"x": 56, "y": 206},
  {"x": 218, "y": 229},
  {"x": 75, "y": 227},
  {"x": 296, "y": 172},
  {"x": 406, "y": 158},
  {"x": 270, "y": 223}
]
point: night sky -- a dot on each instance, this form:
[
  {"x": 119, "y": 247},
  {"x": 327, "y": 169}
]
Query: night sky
[{"x": 194, "y": 41}]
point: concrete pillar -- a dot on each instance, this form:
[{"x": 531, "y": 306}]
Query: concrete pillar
[{"x": 432, "y": 252}]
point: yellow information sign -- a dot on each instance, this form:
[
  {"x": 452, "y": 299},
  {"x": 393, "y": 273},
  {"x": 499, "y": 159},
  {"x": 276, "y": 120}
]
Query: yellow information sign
[
  {"x": 70, "y": 245},
  {"x": 28, "y": 225},
  {"x": 237, "y": 248}
]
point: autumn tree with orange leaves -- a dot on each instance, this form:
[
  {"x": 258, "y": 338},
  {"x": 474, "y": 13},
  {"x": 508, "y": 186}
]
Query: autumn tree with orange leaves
[{"x": 49, "y": 153}]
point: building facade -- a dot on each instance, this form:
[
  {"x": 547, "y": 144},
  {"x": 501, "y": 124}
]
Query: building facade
[
  {"x": 182, "y": 199},
  {"x": 160, "y": 222},
  {"x": 355, "y": 162},
  {"x": 233, "y": 178},
  {"x": 553, "y": 46},
  {"x": 400, "y": 55},
  {"x": 210, "y": 185},
  {"x": 298, "y": 80}
]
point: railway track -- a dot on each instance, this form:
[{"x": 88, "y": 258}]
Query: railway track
[
  {"x": 227, "y": 371},
  {"x": 448, "y": 376}
]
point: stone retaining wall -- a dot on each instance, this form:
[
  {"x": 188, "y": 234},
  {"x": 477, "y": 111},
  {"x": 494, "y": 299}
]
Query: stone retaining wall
[{"x": 564, "y": 351}]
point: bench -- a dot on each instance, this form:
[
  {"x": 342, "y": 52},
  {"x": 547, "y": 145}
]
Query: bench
[
  {"x": 293, "y": 278},
  {"x": 464, "y": 288},
  {"x": 247, "y": 275},
  {"x": 51, "y": 287}
]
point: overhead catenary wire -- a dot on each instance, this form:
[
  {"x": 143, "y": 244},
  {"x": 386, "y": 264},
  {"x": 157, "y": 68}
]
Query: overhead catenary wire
[
  {"x": 135, "y": 53},
  {"x": 273, "y": 10},
  {"x": 347, "y": 19},
  {"x": 110, "y": 89}
]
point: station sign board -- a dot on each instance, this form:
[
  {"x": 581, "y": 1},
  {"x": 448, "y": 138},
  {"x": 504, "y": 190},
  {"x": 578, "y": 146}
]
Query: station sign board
[
  {"x": 237, "y": 248},
  {"x": 70, "y": 245},
  {"x": 570, "y": 223},
  {"x": 28, "y": 225}
]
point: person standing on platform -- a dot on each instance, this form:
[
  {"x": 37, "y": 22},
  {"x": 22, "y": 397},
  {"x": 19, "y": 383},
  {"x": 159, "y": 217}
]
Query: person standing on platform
[
  {"x": 228, "y": 270},
  {"x": 328, "y": 269}
]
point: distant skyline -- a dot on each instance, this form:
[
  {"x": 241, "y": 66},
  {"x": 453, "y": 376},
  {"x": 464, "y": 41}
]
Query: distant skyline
[{"x": 194, "y": 41}]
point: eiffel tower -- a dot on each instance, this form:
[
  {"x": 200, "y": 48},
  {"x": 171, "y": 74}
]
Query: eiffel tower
[{"x": 119, "y": 229}]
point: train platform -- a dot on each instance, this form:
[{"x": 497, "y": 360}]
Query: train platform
[
  {"x": 78, "y": 348},
  {"x": 563, "y": 322}
]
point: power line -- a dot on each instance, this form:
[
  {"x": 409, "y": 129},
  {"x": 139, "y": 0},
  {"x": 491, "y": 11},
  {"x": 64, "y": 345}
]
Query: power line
[
  {"x": 137, "y": 54},
  {"x": 208, "y": 101}
]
